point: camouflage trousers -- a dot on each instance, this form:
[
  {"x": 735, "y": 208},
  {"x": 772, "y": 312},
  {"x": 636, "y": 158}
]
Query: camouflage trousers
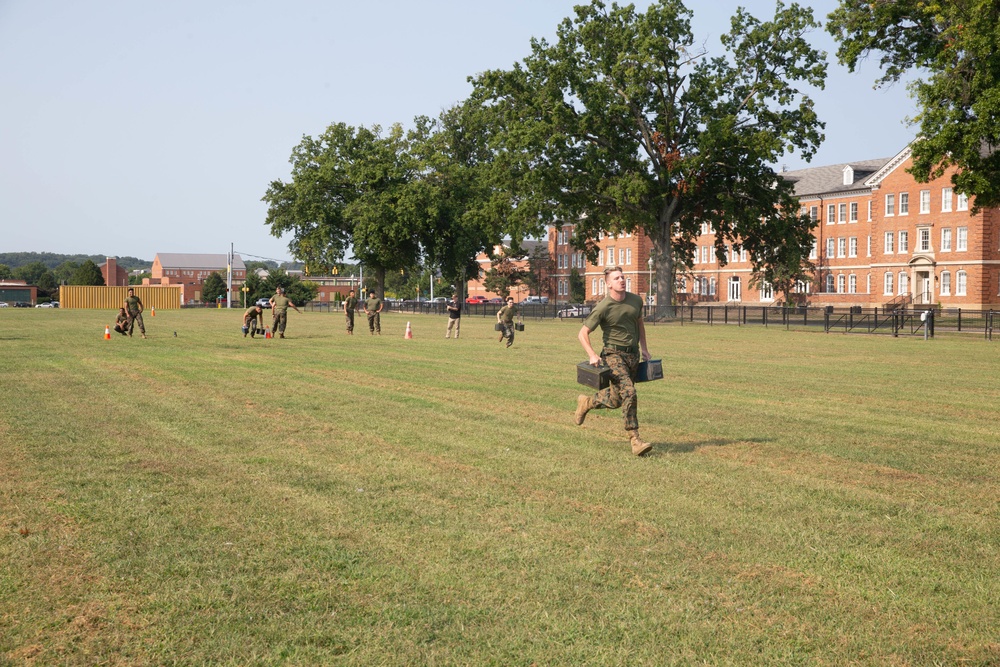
[
  {"x": 374, "y": 323},
  {"x": 132, "y": 319},
  {"x": 279, "y": 322},
  {"x": 621, "y": 392},
  {"x": 507, "y": 332},
  {"x": 349, "y": 316}
]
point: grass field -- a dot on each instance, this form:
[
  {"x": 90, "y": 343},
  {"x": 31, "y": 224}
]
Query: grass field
[{"x": 208, "y": 499}]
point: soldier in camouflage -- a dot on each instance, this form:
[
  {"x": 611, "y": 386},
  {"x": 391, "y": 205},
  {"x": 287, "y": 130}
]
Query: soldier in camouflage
[
  {"x": 620, "y": 317},
  {"x": 279, "y": 306},
  {"x": 133, "y": 306}
]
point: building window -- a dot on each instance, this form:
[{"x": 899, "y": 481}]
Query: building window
[
  {"x": 840, "y": 284},
  {"x": 593, "y": 286},
  {"x": 854, "y": 211},
  {"x": 611, "y": 256},
  {"x": 904, "y": 203},
  {"x": 904, "y": 241},
  {"x": 841, "y": 247},
  {"x": 946, "y": 200},
  {"x": 814, "y": 213},
  {"x": 887, "y": 286},
  {"x": 925, "y": 201},
  {"x": 946, "y": 239},
  {"x": 628, "y": 256},
  {"x": 621, "y": 256},
  {"x": 743, "y": 254},
  {"x": 889, "y": 242},
  {"x": 831, "y": 214},
  {"x": 962, "y": 240},
  {"x": 812, "y": 251},
  {"x": 735, "y": 292},
  {"x": 766, "y": 292},
  {"x": 842, "y": 214},
  {"x": 869, "y": 244},
  {"x": 830, "y": 247},
  {"x": 904, "y": 282},
  {"x": 963, "y": 203},
  {"x": 890, "y": 204},
  {"x": 852, "y": 246},
  {"x": 829, "y": 284},
  {"x": 945, "y": 283},
  {"x": 711, "y": 287},
  {"x": 852, "y": 284},
  {"x": 869, "y": 211},
  {"x": 960, "y": 283},
  {"x": 924, "y": 239},
  {"x": 628, "y": 284}
]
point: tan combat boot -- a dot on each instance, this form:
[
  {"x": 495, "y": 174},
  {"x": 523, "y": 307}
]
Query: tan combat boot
[
  {"x": 639, "y": 446},
  {"x": 584, "y": 404}
]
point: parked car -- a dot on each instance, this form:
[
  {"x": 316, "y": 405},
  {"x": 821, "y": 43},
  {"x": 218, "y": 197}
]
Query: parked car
[
  {"x": 45, "y": 305},
  {"x": 440, "y": 299},
  {"x": 575, "y": 311},
  {"x": 263, "y": 303},
  {"x": 55, "y": 304},
  {"x": 536, "y": 299},
  {"x": 495, "y": 300},
  {"x": 3, "y": 304},
  {"x": 22, "y": 304},
  {"x": 477, "y": 299}
]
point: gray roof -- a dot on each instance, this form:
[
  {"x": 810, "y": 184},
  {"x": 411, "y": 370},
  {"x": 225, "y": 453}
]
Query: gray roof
[
  {"x": 181, "y": 260},
  {"x": 830, "y": 179}
]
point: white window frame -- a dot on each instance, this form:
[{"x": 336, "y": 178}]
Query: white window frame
[
  {"x": 831, "y": 247},
  {"x": 961, "y": 283},
  {"x": 813, "y": 250},
  {"x": 841, "y": 247},
  {"x": 842, "y": 214},
  {"x": 925, "y": 201},
  {"x": 887, "y": 283},
  {"x": 961, "y": 239},
  {"x": 854, "y": 212},
  {"x": 852, "y": 284},
  {"x": 841, "y": 284},
  {"x": 945, "y": 283},
  {"x": 904, "y": 282},
  {"x": 946, "y": 239},
  {"x": 831, "y": 214},
  {"x": 890, "y": 205},
  {"x": 946, "y": 198},
  {"x": 924, "y": 239},
  {"x": 852, "y": 246},
  {"x": 962, "y": 204},
  {"x": 829, "y": 283},
  {"x": 890, "y": 240},
  {"x": 904, "y": 203},
  {"x": 903, "y": 241}
]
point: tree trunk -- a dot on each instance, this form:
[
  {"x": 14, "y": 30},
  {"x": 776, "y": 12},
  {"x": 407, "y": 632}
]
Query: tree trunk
[{"x": 380, "y": 282}]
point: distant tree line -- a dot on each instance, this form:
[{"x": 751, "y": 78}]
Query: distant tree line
[{"x": 52, "y": 260}]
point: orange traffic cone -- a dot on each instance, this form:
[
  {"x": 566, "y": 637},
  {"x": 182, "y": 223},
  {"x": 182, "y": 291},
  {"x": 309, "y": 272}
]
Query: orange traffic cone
[
  {"x": 409, "y": 331},
  {"x": 152, "y": 311},
  {"x": 107, "y": 332},
  {"x": 267, "y": 332}
]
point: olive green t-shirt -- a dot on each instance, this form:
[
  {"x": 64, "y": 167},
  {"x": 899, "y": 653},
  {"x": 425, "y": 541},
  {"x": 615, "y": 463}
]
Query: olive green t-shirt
[
  {"x": 373, "y": 304},
  {"x": 280, "y": 302},
  {"x": 252, "y": 314},
  {"x": 351, "y": 304},
  {"x": 619, "y": 320},
  {"x": 133, "y": 304},
  {"x": 507, "y": 314}
]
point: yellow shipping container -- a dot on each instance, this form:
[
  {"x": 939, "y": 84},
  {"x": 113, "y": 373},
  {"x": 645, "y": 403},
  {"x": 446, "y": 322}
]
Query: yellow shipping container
[{"x": 105, "y": 298}]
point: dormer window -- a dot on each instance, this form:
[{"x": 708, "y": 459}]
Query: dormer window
[{"x": 848, "y": 175}]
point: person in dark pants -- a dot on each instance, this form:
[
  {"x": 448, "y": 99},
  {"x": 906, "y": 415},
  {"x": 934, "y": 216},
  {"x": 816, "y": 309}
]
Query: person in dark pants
[
  {"x": 350, "y": 305},
  {"x": 253, "y": 320},
  {"x": 134, "y": 308},
  {"x": 505, "y": 316},
  {"x": 279, "y": 306},
  {"x": 373, "y": 306},
  {"x": 454, "y": 318},
  {"x": 620, "y": 317}
]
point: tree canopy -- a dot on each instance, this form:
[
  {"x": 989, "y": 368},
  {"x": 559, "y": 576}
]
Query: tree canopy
[
  {"x": 213, "y": 287},
  {"x": 87, "y": 273},
  {"x": 623, "y": 124},
  {"x": 955, "y": 45}
]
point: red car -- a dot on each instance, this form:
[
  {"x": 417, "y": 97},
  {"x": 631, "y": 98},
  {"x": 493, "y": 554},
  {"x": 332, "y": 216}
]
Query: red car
[{"x": 476, "y": 299}]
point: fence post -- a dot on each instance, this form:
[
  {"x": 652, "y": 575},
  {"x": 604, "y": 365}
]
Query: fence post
[
  {"x": 959, "y": 319},
  {"x": 826, "y": 321},
  {"x": 763, "y": 312}
]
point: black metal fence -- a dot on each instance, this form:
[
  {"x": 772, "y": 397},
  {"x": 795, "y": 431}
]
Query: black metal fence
[{"x": 853, "y": 319}]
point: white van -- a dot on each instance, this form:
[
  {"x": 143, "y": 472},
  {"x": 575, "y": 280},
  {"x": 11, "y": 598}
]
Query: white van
[{"x": 536, "y": 299}]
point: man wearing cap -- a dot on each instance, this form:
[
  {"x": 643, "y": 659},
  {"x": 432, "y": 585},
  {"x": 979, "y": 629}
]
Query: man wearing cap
[
  {"x": 279, "y": 306},
  {"x": 620, "y": 317},
  {"x": 373, "y": 306},
  {"x": 454, "y": 317},
  {"x": 350, "y": 305}
]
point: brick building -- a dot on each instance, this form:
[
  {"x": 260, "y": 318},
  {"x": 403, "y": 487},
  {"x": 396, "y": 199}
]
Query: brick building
[
  {"x": 882, "y": 239},
  {"x": 475, "y": 287},
  {"x": 114, "y": 275},
  {"x": 189, "y": 271}
]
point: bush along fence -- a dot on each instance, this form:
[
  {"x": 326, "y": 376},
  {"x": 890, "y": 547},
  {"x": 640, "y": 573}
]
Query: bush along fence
[{"x": 854, "y": 319}]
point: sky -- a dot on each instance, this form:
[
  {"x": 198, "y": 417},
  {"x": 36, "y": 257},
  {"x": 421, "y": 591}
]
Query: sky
[{"x": 132, "y": 128}]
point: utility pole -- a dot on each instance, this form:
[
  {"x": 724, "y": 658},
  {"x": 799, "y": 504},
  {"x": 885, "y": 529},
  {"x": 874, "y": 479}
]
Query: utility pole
[{"x": 229, "y": 278}]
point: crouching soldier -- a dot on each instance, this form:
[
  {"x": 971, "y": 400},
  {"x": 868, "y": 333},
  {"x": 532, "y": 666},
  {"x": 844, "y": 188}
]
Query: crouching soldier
[{"x": 253, "y": 320}]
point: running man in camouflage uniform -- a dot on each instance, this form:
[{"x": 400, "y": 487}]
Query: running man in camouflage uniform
[
  {"x": 620, "y": 317},
  {"x": 350, "y": 305},
  {"x": 279, "y": 306},
  {"x": 505, "y": 316},
  {"x": 134, "y": 308}
]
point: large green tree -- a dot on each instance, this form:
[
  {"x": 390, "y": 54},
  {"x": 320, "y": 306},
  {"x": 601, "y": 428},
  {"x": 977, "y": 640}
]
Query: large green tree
[
  {"x": 87, "y": 273},
  {"x": 955, "y": 44},
  {"x": 624, "y": 123},
  {"x": 213, "y": 287}
]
